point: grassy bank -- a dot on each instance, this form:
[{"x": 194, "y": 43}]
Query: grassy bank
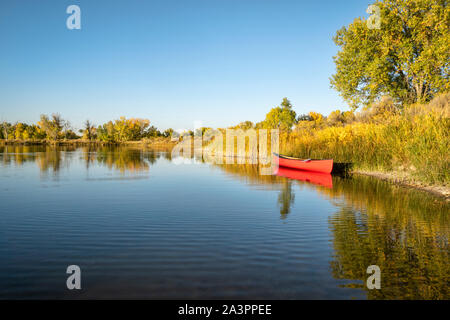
[{"x": 412, "y": 142}]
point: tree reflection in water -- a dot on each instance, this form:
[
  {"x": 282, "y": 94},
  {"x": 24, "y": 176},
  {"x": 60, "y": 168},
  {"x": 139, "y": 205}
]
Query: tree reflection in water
[
  {"x": 55, "y": 158},
  {"x": 286, "y": 198},
  {"x": 403, "y": 231}
]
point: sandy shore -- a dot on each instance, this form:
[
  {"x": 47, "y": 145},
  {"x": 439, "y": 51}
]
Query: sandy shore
[{"x": 405, "y": 180}]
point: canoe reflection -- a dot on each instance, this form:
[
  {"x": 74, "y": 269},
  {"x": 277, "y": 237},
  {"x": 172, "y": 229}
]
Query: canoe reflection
[{"x": 322, "y": 179}]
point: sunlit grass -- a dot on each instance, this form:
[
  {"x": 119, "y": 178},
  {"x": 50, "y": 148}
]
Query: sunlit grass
[{"x": 414, "y": 140}]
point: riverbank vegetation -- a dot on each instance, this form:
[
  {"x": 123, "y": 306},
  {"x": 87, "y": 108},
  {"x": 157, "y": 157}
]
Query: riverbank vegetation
[
  {"x": 411, "y": 141},
  {"x": 55, "y": 129},
  {"x": 394, "y": 78},
  {"x": 398, "y": 75},
  {"x": 385, "y": 137}
]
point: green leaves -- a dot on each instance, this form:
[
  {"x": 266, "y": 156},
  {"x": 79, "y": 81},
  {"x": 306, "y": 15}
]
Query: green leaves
[
  {"x": 282, "y": 117},
  {"x": 407, "y": 58},
  {"x": 53, "y": 127}
]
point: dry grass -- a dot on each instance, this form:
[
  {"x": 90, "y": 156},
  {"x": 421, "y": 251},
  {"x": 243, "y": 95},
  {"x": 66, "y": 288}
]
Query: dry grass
[{"x": 413, "y": 141}]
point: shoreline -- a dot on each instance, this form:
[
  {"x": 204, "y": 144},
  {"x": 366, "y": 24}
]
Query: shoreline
[
  {"x": 395, "y": 178},
  {"x": 441, "y": 191},
  {"x": 158, "y": 142}
]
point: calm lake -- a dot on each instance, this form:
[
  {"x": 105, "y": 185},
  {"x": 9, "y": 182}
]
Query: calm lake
[{"x": 141, "y": 225}]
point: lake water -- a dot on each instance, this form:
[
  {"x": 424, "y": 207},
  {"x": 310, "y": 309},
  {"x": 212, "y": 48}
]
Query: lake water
[{"x": 140, "y": 225}]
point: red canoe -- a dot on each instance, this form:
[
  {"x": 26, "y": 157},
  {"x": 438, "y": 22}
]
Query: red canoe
[
  {"x": 323, "y": 166},
  {"x": 322, "y": 179}
]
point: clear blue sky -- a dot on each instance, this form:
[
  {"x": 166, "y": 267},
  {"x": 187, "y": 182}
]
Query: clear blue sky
[{"x": 174, "y": 62}]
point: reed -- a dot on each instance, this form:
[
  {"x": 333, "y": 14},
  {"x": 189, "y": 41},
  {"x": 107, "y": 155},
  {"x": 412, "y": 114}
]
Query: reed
[{"x": 413, "y": 140}]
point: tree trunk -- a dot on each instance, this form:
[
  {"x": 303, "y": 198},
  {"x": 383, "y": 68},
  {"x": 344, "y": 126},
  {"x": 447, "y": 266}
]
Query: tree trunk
[{"x": 419, "y": 92}]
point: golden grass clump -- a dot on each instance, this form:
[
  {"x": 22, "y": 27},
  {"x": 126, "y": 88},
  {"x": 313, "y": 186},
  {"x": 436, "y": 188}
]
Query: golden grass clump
[{"x": 414, "y": 139}]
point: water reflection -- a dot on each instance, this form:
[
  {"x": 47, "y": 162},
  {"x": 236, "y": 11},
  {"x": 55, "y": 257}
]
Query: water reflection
[
  {"x": 403, "y": 231},
  {"x": 286, "y": 198},
  {"x": 321, "y": 179},
  {"x": 55, "y": 158},
  {"x": 47, "y": 159}
]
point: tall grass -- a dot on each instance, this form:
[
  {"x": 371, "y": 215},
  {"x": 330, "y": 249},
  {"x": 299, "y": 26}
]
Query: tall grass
[{"x": 414, "y": 140}]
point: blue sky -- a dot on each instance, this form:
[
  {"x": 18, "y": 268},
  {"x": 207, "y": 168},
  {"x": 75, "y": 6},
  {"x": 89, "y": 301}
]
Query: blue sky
[{"x": 174, "y": 62}]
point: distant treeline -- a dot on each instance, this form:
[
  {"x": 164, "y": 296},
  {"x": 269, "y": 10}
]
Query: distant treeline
[{"x": 55, "y": 128}]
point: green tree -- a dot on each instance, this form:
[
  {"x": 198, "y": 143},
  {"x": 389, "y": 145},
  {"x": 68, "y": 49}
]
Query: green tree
[
  {"x": 245, "y": 125},
  {"x": 89, "y": 131},
  {"x": 19, "y": 129},
  {"x": 281, "y": 117},
  {"x": 408, "y": 58},
  {"x": 106, "y": 132},
  {"x": 168, "y": 133},
  {"x": 304, "y": 117},
  {"x": 52, "y": 127},
  {"x": 4, "y": 130},
  {"x": 152, "y": 132},
  {"x": 33, "y": 132}
]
